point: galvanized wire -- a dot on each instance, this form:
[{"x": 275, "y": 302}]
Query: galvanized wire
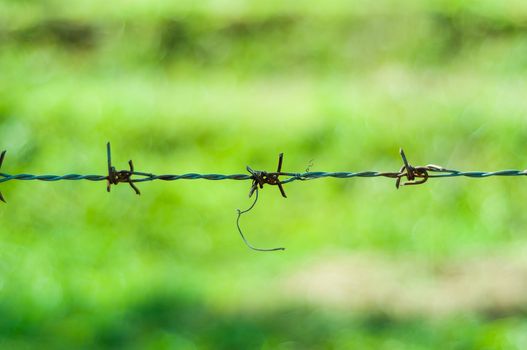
[
  {"x": 414, "y": 175},
  {"x": 313, "y": 175}
]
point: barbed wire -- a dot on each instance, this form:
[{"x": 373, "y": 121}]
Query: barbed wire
[{"x": 415, "y": 175}]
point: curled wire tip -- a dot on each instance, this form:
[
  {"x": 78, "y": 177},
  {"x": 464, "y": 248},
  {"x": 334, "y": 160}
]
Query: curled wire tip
[
  {"x": 309, "y": 166},
  {"x": 249, "y": 245}
]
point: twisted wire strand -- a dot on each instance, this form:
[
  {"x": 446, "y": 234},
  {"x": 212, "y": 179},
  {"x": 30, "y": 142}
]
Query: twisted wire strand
[
  {"x": 414, "y": 175},
  {"x": 480, "y": 174},
  {"x": 313, "y": 175},
  {"x": 51, "y": 178}
]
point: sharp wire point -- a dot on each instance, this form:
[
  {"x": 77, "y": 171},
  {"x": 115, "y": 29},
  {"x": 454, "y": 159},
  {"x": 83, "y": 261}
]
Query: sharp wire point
[
  {"x": 280, "y": 160},
  {"x": 2, "y": 157}
]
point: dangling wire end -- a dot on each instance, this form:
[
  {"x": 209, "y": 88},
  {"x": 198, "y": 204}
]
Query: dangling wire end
[{"x": 240, "y": 213}]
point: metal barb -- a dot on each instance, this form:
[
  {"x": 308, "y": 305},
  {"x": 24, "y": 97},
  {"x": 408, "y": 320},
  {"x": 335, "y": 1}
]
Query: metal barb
[
  {"x": 411, "y": 173},
  {"x": 260, "y": 178},
  {"x": 2, "y": 156},
  {"x": 115, "y": 177}
]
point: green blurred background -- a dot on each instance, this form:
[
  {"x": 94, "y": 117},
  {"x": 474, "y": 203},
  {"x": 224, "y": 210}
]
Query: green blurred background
[{"x": 212, "y": 86}]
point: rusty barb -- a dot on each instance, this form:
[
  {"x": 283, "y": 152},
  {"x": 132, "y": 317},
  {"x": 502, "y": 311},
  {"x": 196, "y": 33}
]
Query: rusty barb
[
  {"x": 115, "y": 177},
  {"x": 260, "y": 178},
  {"x": 414, "y": 175},
  {"x": 406, "y": 176},
  {"x": 419, "y": 174}
]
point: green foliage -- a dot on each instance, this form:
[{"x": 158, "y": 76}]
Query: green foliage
[{"x": 216, "y": 85}]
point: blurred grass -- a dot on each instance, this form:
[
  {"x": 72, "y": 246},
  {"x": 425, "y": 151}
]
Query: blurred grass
[{"x": 211, "y": 87}]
